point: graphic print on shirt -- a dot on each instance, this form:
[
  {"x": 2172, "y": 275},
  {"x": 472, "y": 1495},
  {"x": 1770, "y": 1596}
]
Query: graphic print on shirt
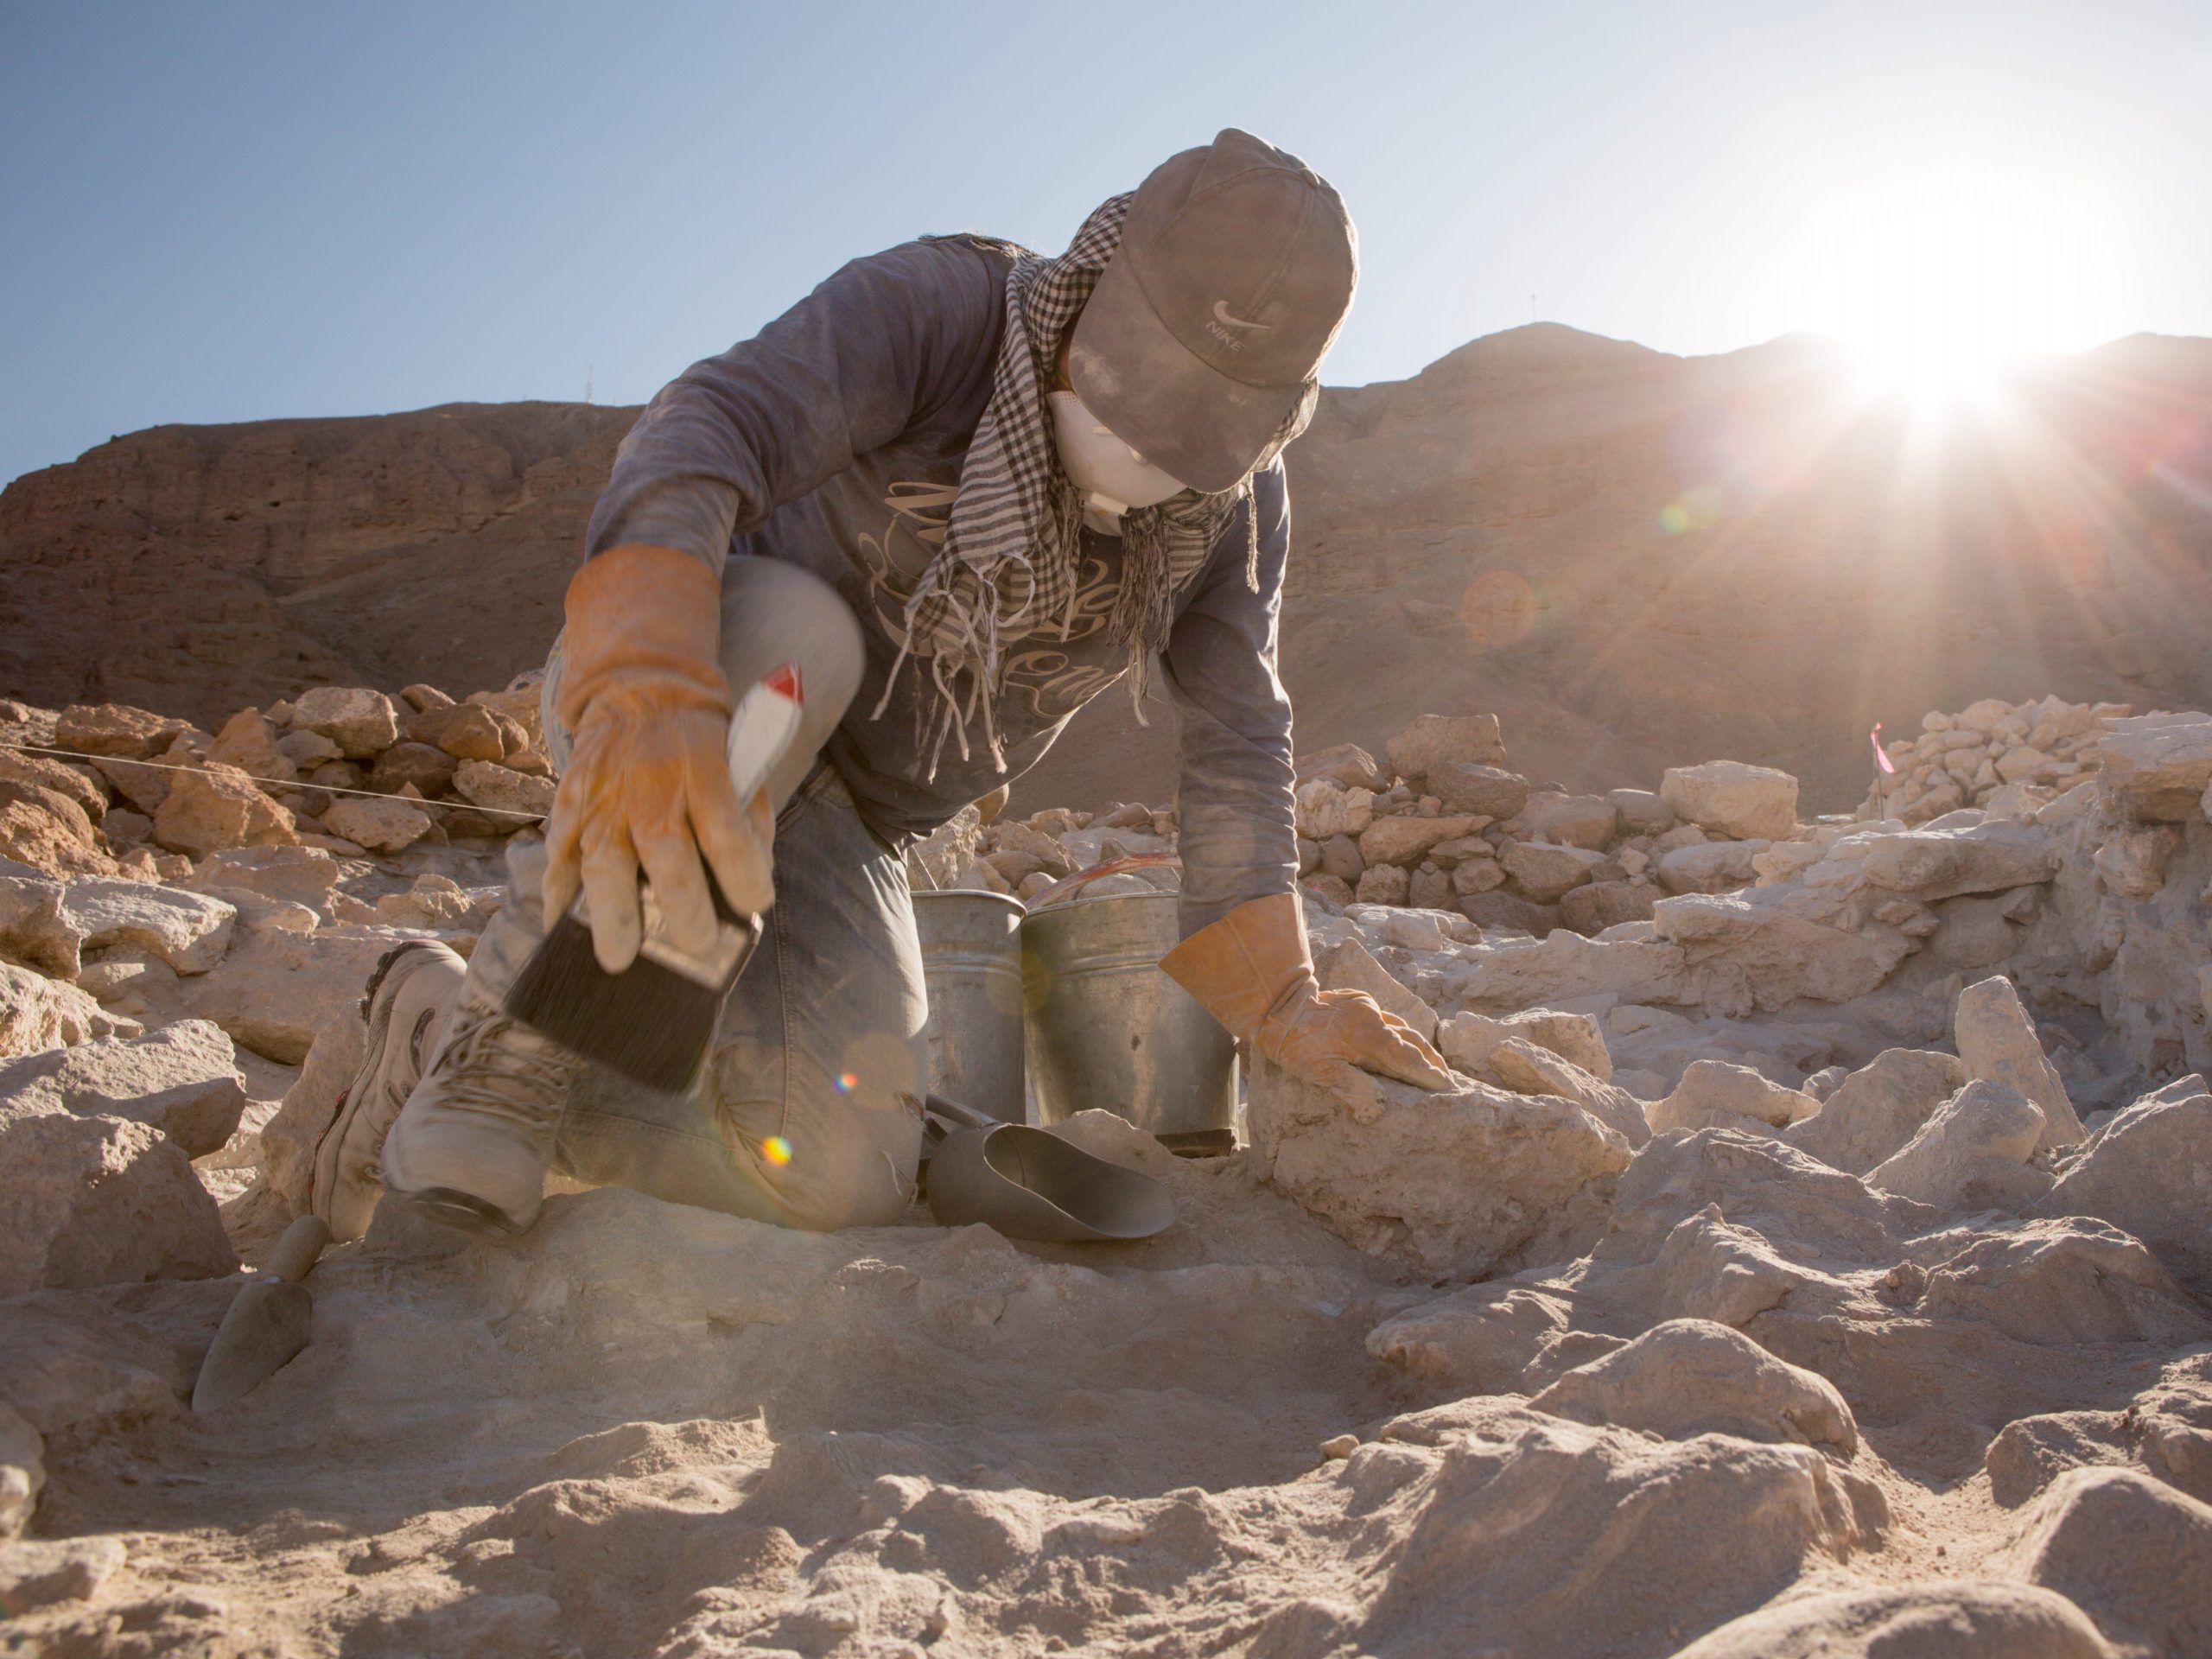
[{"x": 1045, "y": 680}]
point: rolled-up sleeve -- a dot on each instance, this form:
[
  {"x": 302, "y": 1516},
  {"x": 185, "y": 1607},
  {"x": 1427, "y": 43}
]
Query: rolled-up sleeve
[
  {"x": 1238, "y": 838},
  {"x": 863, "y": 358}
]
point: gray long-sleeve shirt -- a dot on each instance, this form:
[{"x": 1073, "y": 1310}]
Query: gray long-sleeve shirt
[{"x": 834, "y": 440}]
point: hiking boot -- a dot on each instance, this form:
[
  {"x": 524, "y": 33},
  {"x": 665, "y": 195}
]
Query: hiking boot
[
  {"x": 405, "y": 1005},
  {"x": 473, "y": 1143}
]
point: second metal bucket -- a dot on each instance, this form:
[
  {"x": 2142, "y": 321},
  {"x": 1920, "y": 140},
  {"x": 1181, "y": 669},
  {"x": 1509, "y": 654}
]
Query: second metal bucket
[
  {"x": 971, "y": 962},
  {"x": 1108, "y": 1030}
]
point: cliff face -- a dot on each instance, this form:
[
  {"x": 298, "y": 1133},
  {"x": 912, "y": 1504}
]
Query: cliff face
[
  {"x": 1638, "y": 560},
  {"x": 199, "y": 569}
]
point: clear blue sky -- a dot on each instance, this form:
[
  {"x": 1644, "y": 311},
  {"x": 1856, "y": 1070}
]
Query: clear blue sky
[{"x": 217, "y": 211}]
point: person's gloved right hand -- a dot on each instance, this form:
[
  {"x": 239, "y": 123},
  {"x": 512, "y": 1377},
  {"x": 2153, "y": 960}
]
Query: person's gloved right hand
[
  {"x": 647, "y": 782},
  {"x": 1251, "y": 972}
]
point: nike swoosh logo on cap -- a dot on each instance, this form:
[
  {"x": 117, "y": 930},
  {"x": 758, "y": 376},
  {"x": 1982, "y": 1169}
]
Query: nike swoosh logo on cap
[{"x": 1221, "y": 314}]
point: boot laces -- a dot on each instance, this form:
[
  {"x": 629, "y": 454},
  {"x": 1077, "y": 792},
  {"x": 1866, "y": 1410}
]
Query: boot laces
[{"x": 492, "y": 1065}]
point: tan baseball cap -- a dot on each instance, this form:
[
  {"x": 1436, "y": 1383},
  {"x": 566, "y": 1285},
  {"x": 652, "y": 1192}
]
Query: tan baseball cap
[{"x": 1237, "y": 267}]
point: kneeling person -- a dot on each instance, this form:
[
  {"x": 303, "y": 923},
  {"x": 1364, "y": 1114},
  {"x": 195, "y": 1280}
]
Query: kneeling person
[{"x": 966, "y": 489}]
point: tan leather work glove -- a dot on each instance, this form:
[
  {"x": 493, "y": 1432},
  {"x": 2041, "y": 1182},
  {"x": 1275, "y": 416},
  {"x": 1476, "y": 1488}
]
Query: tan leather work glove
[
  {"x": 647, "y": 783},
  {"x": 1252, "y": 972}
]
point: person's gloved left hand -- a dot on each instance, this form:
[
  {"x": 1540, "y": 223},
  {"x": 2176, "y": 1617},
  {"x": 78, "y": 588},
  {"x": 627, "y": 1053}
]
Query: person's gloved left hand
[
  {"x": 647, "y": 782},
  {"x": 1252, "y": 970}
]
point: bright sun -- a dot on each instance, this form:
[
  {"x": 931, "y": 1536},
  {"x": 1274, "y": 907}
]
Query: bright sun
[{"x": 1943, "y": 270}]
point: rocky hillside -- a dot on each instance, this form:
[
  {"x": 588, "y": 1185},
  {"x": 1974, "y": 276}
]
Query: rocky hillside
[{"x": 1636, "y": 560}]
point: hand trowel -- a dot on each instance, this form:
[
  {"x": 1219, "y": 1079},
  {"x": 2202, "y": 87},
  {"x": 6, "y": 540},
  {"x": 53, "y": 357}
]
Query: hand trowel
[{"x": 267, "y": 1323}]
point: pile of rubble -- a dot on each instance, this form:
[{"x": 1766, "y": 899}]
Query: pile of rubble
[
  {"x": 348, "y": 769},
  {"x": 1810, "y": 1251},
  {"x": 2007, "y": 758}
]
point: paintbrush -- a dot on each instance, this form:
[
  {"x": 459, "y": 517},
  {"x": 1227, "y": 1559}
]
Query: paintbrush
[{"x": 653, "y": 1020}]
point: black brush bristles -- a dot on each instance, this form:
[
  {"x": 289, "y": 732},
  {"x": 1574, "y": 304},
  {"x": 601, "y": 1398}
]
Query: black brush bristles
[{"x": 649, "y": 1022}]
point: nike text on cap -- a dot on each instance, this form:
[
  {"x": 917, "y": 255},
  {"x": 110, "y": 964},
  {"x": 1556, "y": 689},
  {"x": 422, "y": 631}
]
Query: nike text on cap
[{"x": 1236, "y": 266}]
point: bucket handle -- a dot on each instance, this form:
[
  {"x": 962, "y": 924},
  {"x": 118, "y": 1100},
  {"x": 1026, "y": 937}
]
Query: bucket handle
[{"x": 1066, "y": 885}]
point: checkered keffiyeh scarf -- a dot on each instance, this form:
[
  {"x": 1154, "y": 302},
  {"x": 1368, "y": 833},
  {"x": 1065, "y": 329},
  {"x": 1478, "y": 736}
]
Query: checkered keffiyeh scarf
[{"x": 1013, "y": 546}]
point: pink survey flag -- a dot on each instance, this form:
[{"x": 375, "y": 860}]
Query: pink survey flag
[{"x": 1881, "y": 755}]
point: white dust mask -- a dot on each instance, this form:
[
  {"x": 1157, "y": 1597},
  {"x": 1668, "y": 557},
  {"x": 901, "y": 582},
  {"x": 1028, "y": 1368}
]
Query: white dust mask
[{"x": 1112, "y": 477}]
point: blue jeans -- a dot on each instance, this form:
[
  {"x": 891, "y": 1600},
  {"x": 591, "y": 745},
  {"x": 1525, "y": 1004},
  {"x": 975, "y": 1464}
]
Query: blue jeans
[{"x": 808, "y": 1110}]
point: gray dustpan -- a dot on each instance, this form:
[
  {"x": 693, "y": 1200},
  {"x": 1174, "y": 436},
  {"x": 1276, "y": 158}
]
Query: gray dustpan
[{"x": 1027, "y": 1184}]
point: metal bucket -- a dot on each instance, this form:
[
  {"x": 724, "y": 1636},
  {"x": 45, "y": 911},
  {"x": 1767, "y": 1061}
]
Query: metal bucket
[
  {"x": 971, "y": 963},
  {"x": 1108, "y": 1030}
]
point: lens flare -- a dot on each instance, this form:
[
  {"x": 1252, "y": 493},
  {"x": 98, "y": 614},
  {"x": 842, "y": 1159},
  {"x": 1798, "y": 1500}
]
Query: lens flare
[
  {"x": 1698, "y": 509},
  {"x": 776, "y": 1150},
  {"x": 1497, "y": 608},
  {"x": 846, "y": 1082}
]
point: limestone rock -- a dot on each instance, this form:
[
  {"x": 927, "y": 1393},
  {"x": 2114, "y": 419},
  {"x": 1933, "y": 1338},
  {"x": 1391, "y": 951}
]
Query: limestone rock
[
  {"x": 1972, "y": 1153},
  {"x": 182, "y": 1080},
  {"x": 1406, "y": 841},
  {"x": 23, "y": 1472},
  {"x": 361, "y": 722},
  {"x": 190, "y": 932},
  {"x": 1998, "y": 1041},
  {"x": 1526, "y": 1069},
  {"x": 1873, "y": 1112},
  {"x": 289, "y": 1139},
  {"x": 1331, "y": 893},
  {"x": 46, "y": 1572},
  {"x": 97, "y": 1201},
  {"x": 382, "y": 826},
  {"x": 205, "y": 812},
  {"x": 1485, "y": 792},
  {"x": 278, "y": 988},
  {"x": 1470, "y": 1182},
  {"x": 307, "y": 750},
  {"x": 2158, "y": 766},
  {"x": 1938, "y": 1620},
  {"x": 1551, "y": 970},
  {"x": 2152, "y": 1595},
  {"x": 1587, "y": 821},
  {"x": 1642, "y": 811},
  {"x": 1935, "y": 863},
  {"x": 1383, "y": 883},
  {"x": 1472, "y": 877},
  {"x": 1714, "y": 1094},
  {"x": 60, "y": 776},
  {"x": 34, "y": 928},
  {"x": 1340, "y": 858},
  {"x": 2063, "y": 1281},
  {"x": 1545, "y": 872},
  {"x": 49, "y": 832},
  {"x": 1730, "y": 799},
  {"x": 1686, "y": 1377},
  {"x": 1325, "y": 810},
  {"x": 1596, "y": 906},
  {"x": 1767, "y": 947},
  {"x": 114, "y": 729},
  {"x": 1468, "y": 1039},
  {"x": 1975, "y": 932},
  {"x": 1345, "y": 765},
  {"x": 496, "y": 789},
  {"x": 464, "y": 731},
  {"x": 1712, "y": 866},
  {"x": 2150, "y": 1171},
  {"x": 1432, "y": 739},
  {"x": 249, "y": 743},
  {"x": 429, "y": 770},
  {"x": 37, "y": 1013},
  {"x": 299, "y": 875}
]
